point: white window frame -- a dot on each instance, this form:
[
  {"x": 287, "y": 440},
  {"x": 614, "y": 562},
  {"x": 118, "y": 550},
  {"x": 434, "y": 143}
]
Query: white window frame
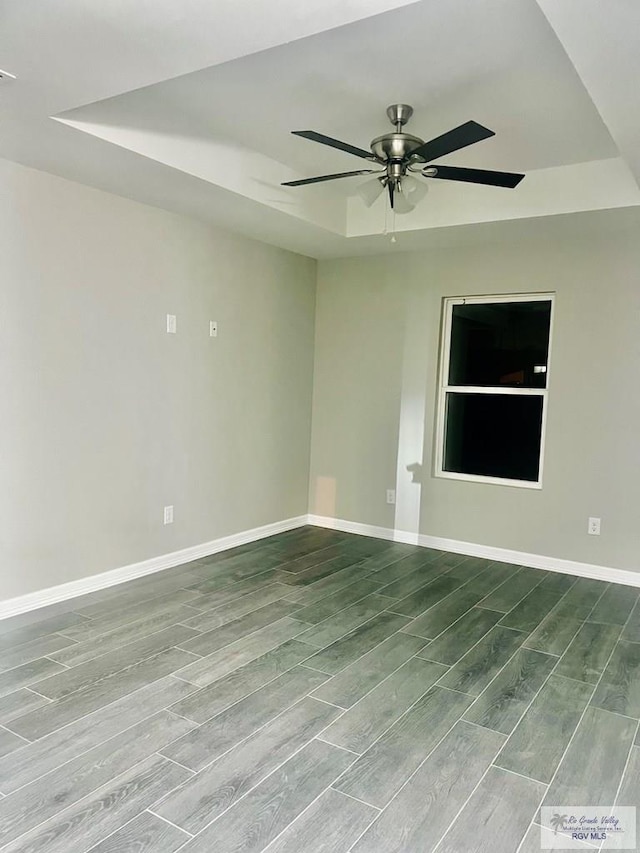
[{"x": 444, "y": 388}]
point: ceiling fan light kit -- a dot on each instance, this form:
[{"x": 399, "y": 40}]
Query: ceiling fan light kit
[{"x": 399, "y": 153}]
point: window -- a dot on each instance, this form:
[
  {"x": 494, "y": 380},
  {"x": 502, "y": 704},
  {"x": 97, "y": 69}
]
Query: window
[{"x": 493, "y": 388}]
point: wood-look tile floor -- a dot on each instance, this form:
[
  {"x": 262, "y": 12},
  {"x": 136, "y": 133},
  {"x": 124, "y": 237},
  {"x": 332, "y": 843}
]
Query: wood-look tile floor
[{"x": 318, "y": 692}]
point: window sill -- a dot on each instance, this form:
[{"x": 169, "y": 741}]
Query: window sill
[{"x": 491, "y": 481}]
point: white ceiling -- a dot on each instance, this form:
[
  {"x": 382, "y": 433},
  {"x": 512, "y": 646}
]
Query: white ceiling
[{"x": 190, "y": 106}]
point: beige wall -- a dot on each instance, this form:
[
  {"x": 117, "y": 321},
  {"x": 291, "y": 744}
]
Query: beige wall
[
  {"x": 377, "y": 335},
  {"x": 106, "y": 418}
]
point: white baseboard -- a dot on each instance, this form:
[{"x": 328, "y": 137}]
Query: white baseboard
[
  {"x": 362, "y": 529},
  {"x": 502, "y": 555},
  {"x": 93, "y": 583}
]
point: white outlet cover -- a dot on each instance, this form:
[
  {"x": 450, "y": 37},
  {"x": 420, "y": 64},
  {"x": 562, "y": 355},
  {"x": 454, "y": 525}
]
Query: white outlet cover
[
  {"x": 168, "y": 515},
  {"x": 213, "y": 328},
  {"x": 391, "y": 496},
  {"x": 172, "y": 324}
]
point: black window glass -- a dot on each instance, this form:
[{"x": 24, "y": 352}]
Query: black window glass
[
  {"x": 493, "y": 435},
  {"x": 500, "y": 343}
]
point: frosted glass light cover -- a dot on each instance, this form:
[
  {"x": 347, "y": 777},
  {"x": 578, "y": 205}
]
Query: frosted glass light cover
[
  {"x": 411, "y": 192},
  {"x": 370, "y": 190}
]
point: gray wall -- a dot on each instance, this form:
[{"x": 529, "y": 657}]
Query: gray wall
[
  {"x": 105, "y": 417},
  {"x": 377, "y": 337}
]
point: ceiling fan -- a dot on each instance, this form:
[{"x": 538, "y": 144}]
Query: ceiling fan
[{"x": 399, "y": 153}]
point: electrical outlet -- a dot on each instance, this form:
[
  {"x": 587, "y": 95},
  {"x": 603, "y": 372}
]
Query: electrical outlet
[
  {"x": 172, "y": 324},
  {"x": 168, "y": 515},
  {"x": 594, "y": 527},
  {"x": 391, "y": 496},
  {"x": 213, "y": 328}
]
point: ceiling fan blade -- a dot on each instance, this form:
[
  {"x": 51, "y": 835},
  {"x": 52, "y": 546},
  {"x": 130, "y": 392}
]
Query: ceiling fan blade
[
  {"x": 467, "y": 134},
  {"x": 475, "y": 176},
  {"x": 317, "y": 180},
  {"x": 333, "y": 143}
]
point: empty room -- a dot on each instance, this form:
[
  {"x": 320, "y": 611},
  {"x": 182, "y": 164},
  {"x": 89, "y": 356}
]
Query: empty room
[{"x": 319, "y": 522}]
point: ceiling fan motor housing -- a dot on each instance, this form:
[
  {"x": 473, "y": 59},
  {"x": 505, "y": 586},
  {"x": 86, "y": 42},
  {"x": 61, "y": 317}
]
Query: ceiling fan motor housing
[{"x": 395, "y": 146}]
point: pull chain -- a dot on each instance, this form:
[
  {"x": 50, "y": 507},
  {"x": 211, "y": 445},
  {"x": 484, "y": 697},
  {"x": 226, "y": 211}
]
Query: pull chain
[{"x": 389, "y": 221}]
